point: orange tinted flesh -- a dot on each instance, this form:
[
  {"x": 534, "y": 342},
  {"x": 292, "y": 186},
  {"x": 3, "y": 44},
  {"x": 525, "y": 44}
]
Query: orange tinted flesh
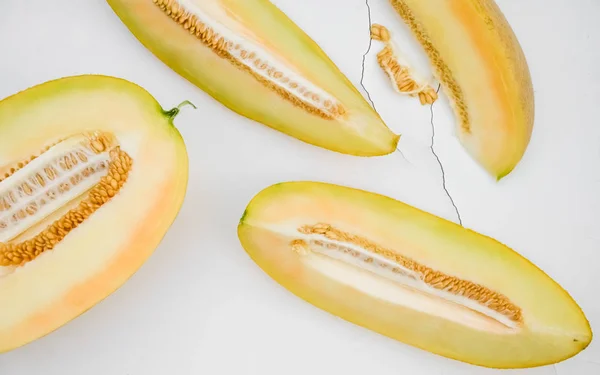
[
  {"x": 553, "y": 329},
  {"x": 109, "y": 247},
  {"x": 480, "y": 63}
]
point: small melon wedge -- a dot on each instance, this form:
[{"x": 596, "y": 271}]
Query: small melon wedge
[
  {"x": 483, "y": 71},
  {"x": 92, "y": 175},
  {"x": 411, "y": 276},
  {"x": 252, "y": 58}
]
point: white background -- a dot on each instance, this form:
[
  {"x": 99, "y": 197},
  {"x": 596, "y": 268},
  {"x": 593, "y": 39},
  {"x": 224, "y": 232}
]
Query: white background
[{"x": 201, "y": 306}]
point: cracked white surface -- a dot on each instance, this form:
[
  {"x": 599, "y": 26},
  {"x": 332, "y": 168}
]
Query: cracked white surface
[{"x": 202, "y": 307}]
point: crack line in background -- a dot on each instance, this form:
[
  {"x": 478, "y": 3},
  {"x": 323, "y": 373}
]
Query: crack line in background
[
  {"x": 440, "y": 163},
  {"x": 362, "y": 77},
  {"x": 362, "y": 74}
]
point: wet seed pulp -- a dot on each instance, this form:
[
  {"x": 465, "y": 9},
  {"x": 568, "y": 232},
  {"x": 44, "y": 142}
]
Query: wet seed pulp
[
  {"x": 401, "y": 76},
  {"x": 407, "y": 267},
  {"x": 43, "y": 187},
  {"x": 9, "y": 171},
  {"x": 264, "y": 71}
]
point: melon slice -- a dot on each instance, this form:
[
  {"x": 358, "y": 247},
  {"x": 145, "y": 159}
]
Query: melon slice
[
  {"x": 253, "y": 59},
  {"x": 411, "y": 276},
  {"x": 92, "y": 175},
  {"x": 483, "y": 71}
]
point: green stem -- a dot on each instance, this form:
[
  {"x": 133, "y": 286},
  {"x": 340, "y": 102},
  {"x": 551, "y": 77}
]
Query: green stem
[{"x": 172, "y": 113}]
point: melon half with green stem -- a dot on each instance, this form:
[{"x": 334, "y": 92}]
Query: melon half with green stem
[{"x": 92, "y": 175}]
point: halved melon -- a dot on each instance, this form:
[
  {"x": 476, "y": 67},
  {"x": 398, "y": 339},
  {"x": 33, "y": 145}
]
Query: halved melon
[
  {"x": 411, "y": 276},
  {"x": 92, "y": 174},
  {"x": 253, "y": 59},
  {"x": 482, "y": 69}
]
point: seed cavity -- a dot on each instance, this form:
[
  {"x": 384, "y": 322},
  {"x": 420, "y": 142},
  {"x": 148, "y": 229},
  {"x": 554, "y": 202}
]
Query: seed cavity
[
  {"x": 7, "y": 171},
  {"x": 251, "y": 58},
  {"x": 325, "y": 239},
  {"x": 91, "y": 167},
  {"x": 444, "y": 74},
  {"x": 403, "y": 78}
]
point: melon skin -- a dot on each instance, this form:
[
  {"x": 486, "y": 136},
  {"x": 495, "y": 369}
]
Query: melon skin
[
  {"x": 359, "y": 131},
  {"x": 483, "y": 70},
  {"x": 553, "y": 326},
  {"x": 99, "y": 256}
]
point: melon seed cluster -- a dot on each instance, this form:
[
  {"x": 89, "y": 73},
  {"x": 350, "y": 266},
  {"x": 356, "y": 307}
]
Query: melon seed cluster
[
  {"x": 247, "y": 57},
  {"x": 433, "y": 278},
  {"x": 400, "y": 75},
  {"x": 117, "y": 167}
]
